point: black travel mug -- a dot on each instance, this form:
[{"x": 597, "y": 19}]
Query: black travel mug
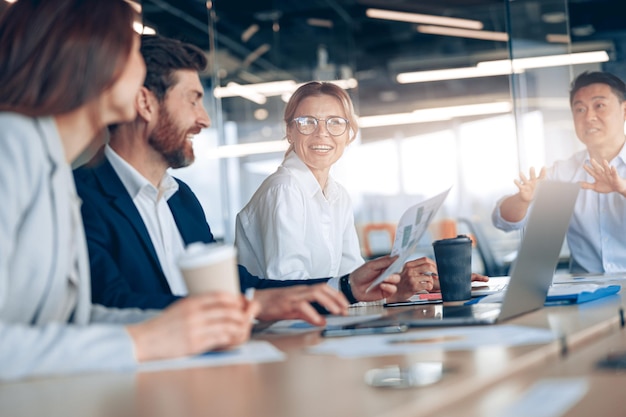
[{"x": 454, "y": 267}]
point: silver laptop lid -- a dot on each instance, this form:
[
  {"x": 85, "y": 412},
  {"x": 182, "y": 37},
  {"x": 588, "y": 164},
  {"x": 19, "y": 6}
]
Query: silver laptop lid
[{"x": 537, "y": 258}]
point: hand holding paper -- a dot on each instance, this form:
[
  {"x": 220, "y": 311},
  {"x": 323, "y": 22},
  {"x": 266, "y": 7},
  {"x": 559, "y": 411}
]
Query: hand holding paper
[
  {"x": 361, "y": 278},
  {"x": 411, "y": 227}
]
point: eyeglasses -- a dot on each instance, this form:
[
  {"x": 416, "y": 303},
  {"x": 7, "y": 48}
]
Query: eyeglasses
[{"x": 308, "y": 124}]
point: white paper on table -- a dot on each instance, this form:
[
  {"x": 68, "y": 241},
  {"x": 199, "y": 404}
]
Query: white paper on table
[
  {"x": 301, "y": 326},
  {"x": 550, "y": 397},
  {"x": 454, "y": 338},
  {"x": 254, "y": 351},
  {"x": 411, "y": 227}
]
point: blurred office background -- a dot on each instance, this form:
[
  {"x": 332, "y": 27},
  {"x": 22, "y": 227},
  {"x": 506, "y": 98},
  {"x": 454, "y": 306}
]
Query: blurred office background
[
  {"x": 450, "y": 93},
  {"x": 461, "y": 93}
]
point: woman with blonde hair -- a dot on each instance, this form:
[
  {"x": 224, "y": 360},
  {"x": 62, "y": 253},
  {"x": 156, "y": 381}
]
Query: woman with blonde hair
[{"x": 300, "y": 224}]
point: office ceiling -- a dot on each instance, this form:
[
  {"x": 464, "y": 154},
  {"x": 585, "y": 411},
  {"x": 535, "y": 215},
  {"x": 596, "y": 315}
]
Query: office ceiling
[
  {"x": 341, "y": 41},
  {"x": 268, "y": 40}
]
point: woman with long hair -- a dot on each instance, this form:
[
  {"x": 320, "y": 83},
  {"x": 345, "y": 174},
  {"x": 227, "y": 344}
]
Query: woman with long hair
[{"x": 69, "y": 68}]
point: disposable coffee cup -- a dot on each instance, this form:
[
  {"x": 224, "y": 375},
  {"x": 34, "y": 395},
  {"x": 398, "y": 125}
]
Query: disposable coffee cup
[
  {"x": 454, "y": 267},
  {"x": 210, "y": 267}
]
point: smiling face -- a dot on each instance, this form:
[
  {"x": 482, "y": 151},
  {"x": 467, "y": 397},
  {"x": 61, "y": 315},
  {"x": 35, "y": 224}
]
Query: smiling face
[
  {"x": 181, "y": 116},
  {"x": 599, "y": 119},
  {"x": 319, "y": 150}
]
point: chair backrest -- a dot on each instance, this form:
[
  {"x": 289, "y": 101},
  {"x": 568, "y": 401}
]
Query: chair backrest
[
  {"x": 375, "y": 228},
  {"x": 493, "y": 267}
]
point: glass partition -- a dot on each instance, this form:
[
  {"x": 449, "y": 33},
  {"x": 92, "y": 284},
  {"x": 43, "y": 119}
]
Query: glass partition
[
  {"x": 415, "y": 138},
  {"x": 467, "y": 102}
]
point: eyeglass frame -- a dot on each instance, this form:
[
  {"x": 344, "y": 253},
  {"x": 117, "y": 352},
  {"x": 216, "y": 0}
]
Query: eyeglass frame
[{"x": 317, "y": 124}]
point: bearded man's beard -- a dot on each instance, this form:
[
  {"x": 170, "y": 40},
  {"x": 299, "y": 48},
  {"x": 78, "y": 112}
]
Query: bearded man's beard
[{"x": 171, "y": 142}]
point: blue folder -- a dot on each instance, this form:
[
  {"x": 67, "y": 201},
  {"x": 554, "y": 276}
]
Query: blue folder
[
  {"x": 563, "y": 294},
  {"x": 584, "y": 295}
]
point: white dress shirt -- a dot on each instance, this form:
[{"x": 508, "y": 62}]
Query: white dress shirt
[
  {"x": 597, "y": 232},
  {"x": 151, "y": 202},
  {"x": 292, "y": 229}
]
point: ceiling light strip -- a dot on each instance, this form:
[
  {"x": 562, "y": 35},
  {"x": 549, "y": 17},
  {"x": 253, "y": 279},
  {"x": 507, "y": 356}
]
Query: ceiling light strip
[
  {"x": 548, "y": 61},
  {"x": 245, "y": 149},
  {"x": 435, "y": 114},
  {"x": 503, "y": 67},
  {"x": 451, "y": 74},
  {"x": 246, "y": 93},
  {"x": 464, "y": 33},
  {"x": 423, "y": 18},
  {"x": 274, "y": 88}
]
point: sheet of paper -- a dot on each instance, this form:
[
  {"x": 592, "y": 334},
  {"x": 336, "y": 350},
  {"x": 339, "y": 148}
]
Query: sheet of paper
[
  {"x": 300, "y": 326},
  {"x": 411, "y": 227},
  {"x": 255, "y": 351},
  {"x": 454, "y": 338},
  {"x": 548, "y": 398}
]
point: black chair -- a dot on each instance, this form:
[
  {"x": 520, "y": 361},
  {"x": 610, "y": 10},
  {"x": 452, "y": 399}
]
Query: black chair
[{"x": 492, "y": 266}]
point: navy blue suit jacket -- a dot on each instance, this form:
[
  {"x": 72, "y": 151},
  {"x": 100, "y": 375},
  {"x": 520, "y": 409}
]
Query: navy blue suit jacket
[{"x": 125, "y": 269}]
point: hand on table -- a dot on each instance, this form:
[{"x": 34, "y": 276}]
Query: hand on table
[
  {"x": 193, "y": 325},
  {"x": 295, "y": 303}
]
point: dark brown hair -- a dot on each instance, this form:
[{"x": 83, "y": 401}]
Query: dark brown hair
[
  {"x": 163, "y": 57},
  {"x": 57, "y": 55}
]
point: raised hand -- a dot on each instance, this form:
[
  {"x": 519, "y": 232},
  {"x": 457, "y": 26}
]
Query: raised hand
[
  {"x": 607, "y": 180},
  {"x": 527, "y": 186}
]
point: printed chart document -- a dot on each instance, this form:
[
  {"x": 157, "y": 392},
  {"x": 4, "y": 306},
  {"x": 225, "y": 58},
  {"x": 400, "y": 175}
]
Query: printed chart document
[{"x": 411, "y": 227}]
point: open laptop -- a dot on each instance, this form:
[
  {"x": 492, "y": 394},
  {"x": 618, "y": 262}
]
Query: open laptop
[{"x": 531, "y": 273}]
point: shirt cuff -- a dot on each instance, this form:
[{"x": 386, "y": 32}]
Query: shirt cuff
[{"x": 334, "y": 283}]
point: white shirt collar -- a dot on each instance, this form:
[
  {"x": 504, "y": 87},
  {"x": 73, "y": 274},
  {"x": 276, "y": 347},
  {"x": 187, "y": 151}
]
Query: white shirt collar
[
  {"x": 134, "y": 182},
  {"x": 307, "y": 180}
]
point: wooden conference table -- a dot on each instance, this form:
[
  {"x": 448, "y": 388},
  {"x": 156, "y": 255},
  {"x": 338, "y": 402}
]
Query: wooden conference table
[
  {"x": 313, "y": 385},
  {"x": 605, "y": 394}
]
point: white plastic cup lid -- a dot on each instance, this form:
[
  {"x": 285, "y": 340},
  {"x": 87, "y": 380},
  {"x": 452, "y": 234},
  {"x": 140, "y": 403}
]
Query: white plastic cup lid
[{"x": 199, "y": 254}]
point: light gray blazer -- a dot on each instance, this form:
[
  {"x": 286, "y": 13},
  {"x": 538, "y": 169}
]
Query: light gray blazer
[{"x": 47, "y": 322}]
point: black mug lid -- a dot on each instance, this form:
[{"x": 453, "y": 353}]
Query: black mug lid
[{"x": 453, "y": 240}]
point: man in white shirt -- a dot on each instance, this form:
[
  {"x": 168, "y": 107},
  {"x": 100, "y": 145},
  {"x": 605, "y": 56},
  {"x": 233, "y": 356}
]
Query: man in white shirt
[
  {"x": 138, "y": 218},
  {"x": 597, "y": 228}
]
